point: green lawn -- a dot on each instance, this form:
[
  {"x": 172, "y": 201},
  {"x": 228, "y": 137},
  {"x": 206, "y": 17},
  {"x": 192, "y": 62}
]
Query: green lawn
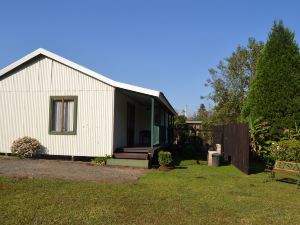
[{"x": 192, "y": 194}]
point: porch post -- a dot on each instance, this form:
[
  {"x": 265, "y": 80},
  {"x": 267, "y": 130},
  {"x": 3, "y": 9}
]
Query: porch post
[
  {"x": 152, "y": 121},
  {"x": 172, "y": 125}
]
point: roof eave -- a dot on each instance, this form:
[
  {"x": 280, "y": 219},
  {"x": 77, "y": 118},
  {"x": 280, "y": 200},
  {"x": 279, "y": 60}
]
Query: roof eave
[
  {"x": 166, "y": 103},
  {"x": 41, "y": 51}
]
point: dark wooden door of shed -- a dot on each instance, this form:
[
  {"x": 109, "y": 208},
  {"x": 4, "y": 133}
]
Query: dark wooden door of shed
[{"x": 130, "y": 124}]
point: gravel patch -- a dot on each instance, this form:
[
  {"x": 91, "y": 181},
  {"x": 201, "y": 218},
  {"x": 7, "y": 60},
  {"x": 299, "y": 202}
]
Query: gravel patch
[{"x": 67, "y": 170}]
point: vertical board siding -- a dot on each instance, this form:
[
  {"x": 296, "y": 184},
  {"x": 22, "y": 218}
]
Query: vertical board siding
[
  {"x": 25, "y": 99},
  {"x": 234, "y": 139}
]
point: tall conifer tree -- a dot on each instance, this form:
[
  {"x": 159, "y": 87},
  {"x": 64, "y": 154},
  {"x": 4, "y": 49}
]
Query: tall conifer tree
[{"x": 274, "y": 93}]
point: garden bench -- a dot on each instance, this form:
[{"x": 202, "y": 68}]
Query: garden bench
[{"x": 287, "y": 167}]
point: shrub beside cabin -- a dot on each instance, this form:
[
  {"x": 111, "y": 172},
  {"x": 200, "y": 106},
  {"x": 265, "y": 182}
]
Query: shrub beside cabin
[{"x": 74, "y": 111}]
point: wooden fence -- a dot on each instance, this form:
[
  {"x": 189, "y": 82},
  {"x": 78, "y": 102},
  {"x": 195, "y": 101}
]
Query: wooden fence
[{"x": 234, "y": 139}]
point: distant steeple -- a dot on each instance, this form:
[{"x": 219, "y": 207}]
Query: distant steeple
[{"x": 186, "y": 111}]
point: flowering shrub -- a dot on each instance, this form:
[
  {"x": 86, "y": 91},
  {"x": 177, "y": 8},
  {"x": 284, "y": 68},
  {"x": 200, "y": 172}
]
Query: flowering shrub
[
  {"x": 25, "y": 147},
  {"x": 286, "y": 150}
]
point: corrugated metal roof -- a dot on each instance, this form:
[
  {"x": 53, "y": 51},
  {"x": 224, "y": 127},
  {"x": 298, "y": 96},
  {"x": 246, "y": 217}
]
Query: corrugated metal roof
[{"x": 159, "y": 95}]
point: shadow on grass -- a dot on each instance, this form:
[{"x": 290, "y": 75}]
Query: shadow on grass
[
  {"x": 188, "y": 152},
  {"x": 180, "y": 167},
  {"x": 224, "y": 163},
  {"x": 256, "y": 167},
  {"x": 288, "y": 180},
  {"x": 171, "y": 167}
]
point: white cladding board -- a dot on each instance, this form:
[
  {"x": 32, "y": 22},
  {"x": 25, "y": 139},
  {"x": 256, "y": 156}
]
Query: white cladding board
[{"x": 25, "y": 101}]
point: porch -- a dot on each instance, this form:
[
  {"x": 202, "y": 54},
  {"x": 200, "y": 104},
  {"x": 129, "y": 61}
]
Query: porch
[
  {"x": 142, "y": 125},
  {"x": 133, "y": 157}
]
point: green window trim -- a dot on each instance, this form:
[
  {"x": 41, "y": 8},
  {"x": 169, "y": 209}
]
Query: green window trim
[{"x": 65, "y": 98}]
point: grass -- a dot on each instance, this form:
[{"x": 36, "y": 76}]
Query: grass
[{"x": 190, "y": 194}]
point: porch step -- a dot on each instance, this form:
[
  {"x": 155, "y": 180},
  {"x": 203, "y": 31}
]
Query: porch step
[
  {"x": 130, "y": 155},
  {"x": 128, "y": 162},
  {"x": 136, "y": 150}
]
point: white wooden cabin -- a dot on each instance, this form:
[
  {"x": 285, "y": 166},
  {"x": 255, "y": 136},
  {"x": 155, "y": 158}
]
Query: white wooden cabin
[{"x": 74, "y": 111}]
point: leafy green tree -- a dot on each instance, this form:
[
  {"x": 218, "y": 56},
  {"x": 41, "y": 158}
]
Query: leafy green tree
[
  {"x": 179, "y": 120},
  {"x": 203, "y": 114},
  {"x": 230, "y": 82},
  {"x": 180, "y": 131},
  {"x": 274, "y": 93}
]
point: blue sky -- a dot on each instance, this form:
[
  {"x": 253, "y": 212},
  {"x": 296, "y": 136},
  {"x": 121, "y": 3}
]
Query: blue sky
[{"x": 158, "y": 44}]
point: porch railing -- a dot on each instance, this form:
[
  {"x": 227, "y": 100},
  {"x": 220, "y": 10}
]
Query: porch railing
[{"x": 161, "y": 134}]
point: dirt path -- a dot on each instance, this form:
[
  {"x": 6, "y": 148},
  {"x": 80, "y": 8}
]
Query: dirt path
[{"x": 68, "y": 170}]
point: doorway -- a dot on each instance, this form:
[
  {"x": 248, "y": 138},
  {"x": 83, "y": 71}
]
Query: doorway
[{"x": 130, "y": 124}]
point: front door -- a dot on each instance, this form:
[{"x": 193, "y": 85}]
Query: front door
[{"x": 130, "y": 124}]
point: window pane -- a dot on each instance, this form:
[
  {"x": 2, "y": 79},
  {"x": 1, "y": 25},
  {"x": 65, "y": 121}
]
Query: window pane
[
  {"x": 57, "y": 115},
  {"x": 68, "y": 115}
]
